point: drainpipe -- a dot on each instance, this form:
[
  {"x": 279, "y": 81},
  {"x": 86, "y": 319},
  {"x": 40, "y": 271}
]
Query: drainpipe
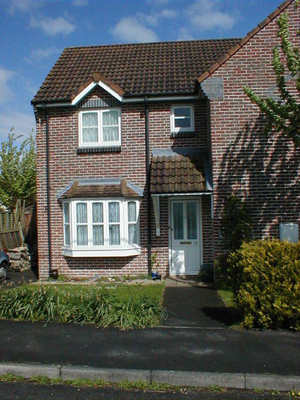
[
  {"x": 48, "y": 191},
  {"x": 148, "y": 184}
]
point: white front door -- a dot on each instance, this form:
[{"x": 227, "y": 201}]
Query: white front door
[{"x": 185, "y": 237}]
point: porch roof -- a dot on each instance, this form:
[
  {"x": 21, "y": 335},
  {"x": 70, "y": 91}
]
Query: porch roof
[
  {"x": 177, "y": 170},
  {"x": 106, "y": 187}
]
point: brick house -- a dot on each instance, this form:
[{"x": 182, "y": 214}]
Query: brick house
[{"x": 139, "y": 145}]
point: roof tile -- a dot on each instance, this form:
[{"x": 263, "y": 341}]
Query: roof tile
[{"x": 136, "y": 69}]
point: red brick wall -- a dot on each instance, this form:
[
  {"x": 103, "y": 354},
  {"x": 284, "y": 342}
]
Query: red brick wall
[
  {"x": 263, "y": 171},
  {"x": 66, "y": 165}
]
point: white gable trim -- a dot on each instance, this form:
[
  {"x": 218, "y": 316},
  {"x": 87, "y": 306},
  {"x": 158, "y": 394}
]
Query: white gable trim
[{"x": 90, "y": 87}]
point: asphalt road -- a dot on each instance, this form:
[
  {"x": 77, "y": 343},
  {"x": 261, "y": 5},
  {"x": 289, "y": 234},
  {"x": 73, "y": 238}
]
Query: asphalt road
[
  {"x": 165, "y": 348},
  {"x": 26, "y": 391}
]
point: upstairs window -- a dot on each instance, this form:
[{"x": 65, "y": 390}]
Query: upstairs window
[
  {"x": 100, "y": 128},
  {"x": 182, "y": 118}
]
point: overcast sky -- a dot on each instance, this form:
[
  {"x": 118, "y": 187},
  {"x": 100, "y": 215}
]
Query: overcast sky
[{"x": 33, "y": 33}]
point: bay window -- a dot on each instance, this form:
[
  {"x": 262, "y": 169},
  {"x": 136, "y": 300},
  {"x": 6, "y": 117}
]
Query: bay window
[
  {"x": 100, "y": 127},
  {"x": 101, "y": 227}
]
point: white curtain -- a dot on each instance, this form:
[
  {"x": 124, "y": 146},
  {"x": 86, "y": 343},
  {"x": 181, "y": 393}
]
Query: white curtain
[
  {"x": 90, "y": 127},
  {"x": 81, "y": 220},
  {"x": 114, "y": 223},
  {"x": 67, "y": 224},
  {"x": 110, "y": 126},
  {"x": 98, "y": 233},
  {"x": 132, "y": 228}
]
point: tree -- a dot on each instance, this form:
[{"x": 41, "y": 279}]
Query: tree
[
  {"x": 282, "y": 116},
  {"x": 17, "y": 170}
]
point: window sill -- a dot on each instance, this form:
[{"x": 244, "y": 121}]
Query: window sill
[
  {"x": 132, "y": 251},
  {"x": 183, "y": 134},
  {"x": 98, "y": 149}
]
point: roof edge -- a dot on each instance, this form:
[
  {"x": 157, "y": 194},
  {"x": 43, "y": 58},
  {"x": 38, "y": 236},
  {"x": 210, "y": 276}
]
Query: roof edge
[
  {"x": 91, "y": 83},
  {"x": 245, "y": 40}
]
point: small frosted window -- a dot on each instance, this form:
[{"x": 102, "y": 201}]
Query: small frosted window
[{"x": 289, "y": 232}]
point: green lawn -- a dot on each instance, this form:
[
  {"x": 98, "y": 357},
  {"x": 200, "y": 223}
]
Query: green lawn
[
  {"x": 121, "y": 305},
  {"x": 123, "y": 291},
  {"x": 226, "y": 295}
]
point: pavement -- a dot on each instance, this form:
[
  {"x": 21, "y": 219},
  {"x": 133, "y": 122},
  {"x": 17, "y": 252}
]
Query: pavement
[{"x": 199, "y": 351}]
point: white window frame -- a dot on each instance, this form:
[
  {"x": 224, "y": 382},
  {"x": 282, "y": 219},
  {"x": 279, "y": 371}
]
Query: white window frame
[
  {"x": 175, "y": 129},
  {"x": 122, "y": 250},
  {"x": 100, "y": 142}
]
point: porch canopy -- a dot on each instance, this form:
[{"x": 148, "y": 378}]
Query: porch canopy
[
  {"x": 97, "y": 188},
  {"x": 178, "y": 172}
]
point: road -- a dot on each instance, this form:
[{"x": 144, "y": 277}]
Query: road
[{"x": 26, "y": 391}]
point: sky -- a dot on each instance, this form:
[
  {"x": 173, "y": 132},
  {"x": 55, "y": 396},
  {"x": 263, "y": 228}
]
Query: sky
[{"x": 33, "y": 33}]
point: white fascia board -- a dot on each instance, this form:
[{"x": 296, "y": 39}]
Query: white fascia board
[
  {"x": 118, "y": 97},
  {"x": 182, "y": 194},
  {"x": 82, "y": 94},
  {"x": 90, "y": 87},
  {"x": 158, "y": 98},
  {"x": 110, "y": 91}
]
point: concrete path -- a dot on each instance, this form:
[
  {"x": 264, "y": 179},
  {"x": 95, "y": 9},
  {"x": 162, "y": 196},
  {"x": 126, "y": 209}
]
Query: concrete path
[{"x": 191, "y": 304}]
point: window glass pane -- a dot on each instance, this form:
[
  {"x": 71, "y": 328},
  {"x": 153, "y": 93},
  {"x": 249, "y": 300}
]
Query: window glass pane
[
  {"x": 114, "y": 235},
  {"x": 191, "y": 211},
  {"x": 90, "y": 119},
  {"x": 67, "y": 235},
  {"x": 111, "y": 134},
  {"x": 183, "y": 123},
  {"x": 132, "y": 234},
  {"x": 82, "y": 235},
  {"x": 97, "y": 212},
  {"x": 66, "y": 213},
  {"x": 182, "y": 112},
  {"x": 110, "y": 118},
  {"x": 81, "y": 213},
  {"x": 114, "y": 212},
  {"x": 98, "y": 238},
  {"x": 178, "y": 220},
  {"x": 89, "y": 135},
  {"x": 131, "y": 211}
]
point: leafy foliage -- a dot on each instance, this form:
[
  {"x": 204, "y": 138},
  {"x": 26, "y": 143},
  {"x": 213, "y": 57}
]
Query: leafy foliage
[
  {"x": 236, "y": 223},
  {"x": 282, "y": 116},
  {"x": 17, "y": 171},
  {"x": 98, "y": 307},
  {"x": 267, "y": 284}
]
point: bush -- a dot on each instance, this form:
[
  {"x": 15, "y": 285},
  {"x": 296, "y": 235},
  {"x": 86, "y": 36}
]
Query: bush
[
  {"x": 98, "y": 307},
  {"x": 266, "y": 284}
]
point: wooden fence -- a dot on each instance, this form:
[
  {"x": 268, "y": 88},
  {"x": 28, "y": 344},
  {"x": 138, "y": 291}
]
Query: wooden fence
[{"x": 12, "y": 226}]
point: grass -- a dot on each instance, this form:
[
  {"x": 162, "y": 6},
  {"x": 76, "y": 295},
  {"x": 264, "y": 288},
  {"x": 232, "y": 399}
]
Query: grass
[
  {"x": 121, "y": 291},
  {"x": 140, "y": 386},
  {"x": 227, "y": 296},
  {"x": 123, "y": 306}
]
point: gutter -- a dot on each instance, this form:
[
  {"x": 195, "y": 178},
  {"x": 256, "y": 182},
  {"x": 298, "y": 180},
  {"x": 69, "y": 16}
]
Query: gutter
[
  {"x": 48, "y": 191},
  {"x": 148, "y": 183}
]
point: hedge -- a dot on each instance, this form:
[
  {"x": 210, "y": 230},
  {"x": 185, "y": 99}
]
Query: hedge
[{"x": 266, "y": 284}]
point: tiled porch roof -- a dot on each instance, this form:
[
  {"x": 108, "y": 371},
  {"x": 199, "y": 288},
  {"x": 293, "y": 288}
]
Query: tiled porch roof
[
  {"x": 180, "y": 171},
  {"x": 92, "y": 188}
]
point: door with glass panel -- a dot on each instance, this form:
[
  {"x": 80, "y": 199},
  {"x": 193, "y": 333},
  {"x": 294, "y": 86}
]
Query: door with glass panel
[{"x": 185, "y": 237}]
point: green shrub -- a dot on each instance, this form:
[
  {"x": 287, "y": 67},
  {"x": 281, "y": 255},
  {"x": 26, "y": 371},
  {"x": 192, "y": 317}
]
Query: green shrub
[
  {"x": 266, "y": 284},
  {"x": 236, "y": 223},
  {"x": 99, "y": 307}
]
